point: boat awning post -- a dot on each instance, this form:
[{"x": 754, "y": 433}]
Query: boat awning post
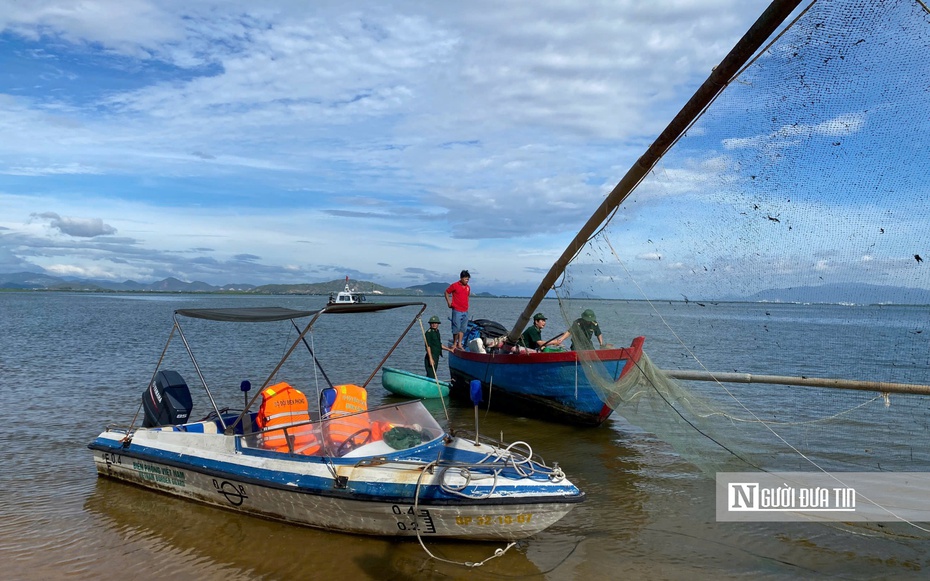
[
  {"x": 277, "y": 367},
  {"x": 177, "y": 325},
  {"x": 313, "y": 356},
  {"x": 396, "y": 343},
  {"x": 157, "y": 367}
]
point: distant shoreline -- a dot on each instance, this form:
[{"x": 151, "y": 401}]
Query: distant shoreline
[{"x": 690, "y": 302}]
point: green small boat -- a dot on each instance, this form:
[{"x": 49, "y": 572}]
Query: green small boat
[{"x": 406, "y": 384}]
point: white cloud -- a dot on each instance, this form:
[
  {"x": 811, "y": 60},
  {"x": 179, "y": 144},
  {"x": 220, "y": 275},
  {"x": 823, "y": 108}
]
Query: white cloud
[
  {"x": 67, "y": 169},
  {"x": 80, "y": 227},
  {"x": 793, "y": 135},
  {"x": 424, "y": 133}
]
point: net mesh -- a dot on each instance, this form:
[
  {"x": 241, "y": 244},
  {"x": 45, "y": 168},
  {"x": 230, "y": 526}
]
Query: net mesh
[{"x": 784, "y": 234}]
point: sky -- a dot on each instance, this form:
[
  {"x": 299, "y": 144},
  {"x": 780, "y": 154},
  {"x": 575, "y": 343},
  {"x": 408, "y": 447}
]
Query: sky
[{"x": 290, "y": 141}]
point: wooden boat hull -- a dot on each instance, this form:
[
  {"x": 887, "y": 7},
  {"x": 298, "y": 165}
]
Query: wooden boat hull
[
  {"x": 548, "y": 385},
  {"x": 392, "y": 496},
  {"x": 406, "y": 384}
]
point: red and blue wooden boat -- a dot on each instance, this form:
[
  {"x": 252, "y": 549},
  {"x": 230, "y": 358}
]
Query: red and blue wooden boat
[{"x": 548, "y": 385}]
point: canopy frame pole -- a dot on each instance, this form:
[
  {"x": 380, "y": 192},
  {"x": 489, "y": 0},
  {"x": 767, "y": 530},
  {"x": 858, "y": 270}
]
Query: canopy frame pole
[
  {"x": 177, "y": 325},
  {"x": 719, "y": 78},
  {"x": 230, "y": 429},
  {"x": 312, "y": 355},
  {"x": 394, "y": 346}
]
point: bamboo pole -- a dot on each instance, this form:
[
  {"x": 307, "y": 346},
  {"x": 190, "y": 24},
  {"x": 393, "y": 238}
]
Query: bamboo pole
[
  {"x": 804, "y": 381},
  {"x": 721, "y": 75}
]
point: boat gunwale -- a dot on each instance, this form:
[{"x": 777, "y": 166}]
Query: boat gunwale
[
  {"x": 633, "y": 352},
  {"x": 346, "y": 494}
]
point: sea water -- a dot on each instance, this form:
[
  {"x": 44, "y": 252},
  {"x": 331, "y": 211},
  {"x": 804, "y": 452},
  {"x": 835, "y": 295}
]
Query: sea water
[{"x": 72, "y": 363}]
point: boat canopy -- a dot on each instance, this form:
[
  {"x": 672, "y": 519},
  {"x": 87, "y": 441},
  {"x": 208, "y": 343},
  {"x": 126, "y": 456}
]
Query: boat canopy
[
  {"x": 268, "y": 314},
  {"x": 246, "y": 315}
]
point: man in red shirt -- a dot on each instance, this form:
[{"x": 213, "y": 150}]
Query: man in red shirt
[{"x": 457, "y": 298}]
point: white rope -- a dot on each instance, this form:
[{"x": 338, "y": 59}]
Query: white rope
[
  {"x": 466, "y": 470},
  {"x": 416, "y": 504}
]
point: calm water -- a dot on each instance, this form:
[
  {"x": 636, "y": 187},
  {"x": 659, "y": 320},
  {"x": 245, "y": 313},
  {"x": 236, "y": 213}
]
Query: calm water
[{"x": 71, "y": 364}]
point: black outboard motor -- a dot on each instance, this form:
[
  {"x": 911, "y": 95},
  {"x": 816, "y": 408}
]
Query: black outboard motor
[{"x": 167, "y": 401}]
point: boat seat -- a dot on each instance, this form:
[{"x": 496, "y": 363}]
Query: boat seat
[
  {"x": 204, "y": 427},
  {"x": 327, "y": 399}
]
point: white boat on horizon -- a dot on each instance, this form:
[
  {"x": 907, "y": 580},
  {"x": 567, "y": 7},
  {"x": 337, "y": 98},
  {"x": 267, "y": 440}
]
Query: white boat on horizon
[{"x": 346, "y": 296}]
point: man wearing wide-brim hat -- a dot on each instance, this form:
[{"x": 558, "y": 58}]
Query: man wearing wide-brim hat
[{"x": 584, "y": 328}]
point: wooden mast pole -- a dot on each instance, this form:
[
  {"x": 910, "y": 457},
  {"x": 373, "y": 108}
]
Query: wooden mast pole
[{"x": 763, "y": 28}]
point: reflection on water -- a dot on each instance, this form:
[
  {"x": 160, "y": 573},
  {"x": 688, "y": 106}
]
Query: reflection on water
[
  {"x": 74, "y": 363},
  {"x": 194, "y": 541}
]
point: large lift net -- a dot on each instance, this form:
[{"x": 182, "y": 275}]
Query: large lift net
[{"x": 785, "y": 233}]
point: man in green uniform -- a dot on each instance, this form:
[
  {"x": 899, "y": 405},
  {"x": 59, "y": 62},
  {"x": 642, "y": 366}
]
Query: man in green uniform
[
  {"x": 434, "y": 347},
  {"x": 532, "y": 337},
  {"x": 584, "y": 328}
]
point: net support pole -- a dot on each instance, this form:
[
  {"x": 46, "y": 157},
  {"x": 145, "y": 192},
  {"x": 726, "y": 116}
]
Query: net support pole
[
  {"x": 802, "y": 381},
  {"x": 747, "y": 46}
]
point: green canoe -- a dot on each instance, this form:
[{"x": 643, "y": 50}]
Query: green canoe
[{"x": 404, "y": 383}]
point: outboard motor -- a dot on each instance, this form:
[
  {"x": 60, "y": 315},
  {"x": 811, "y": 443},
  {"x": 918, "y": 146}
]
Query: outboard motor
[{"x": 167, "y": 401}]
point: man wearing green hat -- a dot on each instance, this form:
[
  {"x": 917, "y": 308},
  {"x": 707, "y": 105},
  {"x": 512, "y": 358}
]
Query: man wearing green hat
[
  {"x": 584, "y": 328},
  {"x": 532, "y": 337},
  {"x": 434, "y": 347}
]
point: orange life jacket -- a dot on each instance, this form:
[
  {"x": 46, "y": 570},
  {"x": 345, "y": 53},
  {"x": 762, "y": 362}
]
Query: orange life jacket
[
  {"x": 283, "y": 406},
  {"x": 350, "y": 399}
]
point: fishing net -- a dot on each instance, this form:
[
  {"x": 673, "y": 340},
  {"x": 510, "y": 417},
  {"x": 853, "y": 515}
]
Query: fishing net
[{"x": 783, "y": 234}]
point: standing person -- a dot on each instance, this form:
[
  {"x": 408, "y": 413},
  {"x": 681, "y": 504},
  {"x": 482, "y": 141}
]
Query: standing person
[
  {"x": 532, "y": 337},
  {"x": 457, "y": 298},
  {"x": 584, "y": 328},
  {"x": 434, "y": 347}
]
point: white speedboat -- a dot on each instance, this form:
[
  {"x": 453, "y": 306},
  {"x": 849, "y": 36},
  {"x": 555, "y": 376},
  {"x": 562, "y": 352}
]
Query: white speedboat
[
  {"x": 389, "y": 471},
  {"x": 346, "y": 296}
]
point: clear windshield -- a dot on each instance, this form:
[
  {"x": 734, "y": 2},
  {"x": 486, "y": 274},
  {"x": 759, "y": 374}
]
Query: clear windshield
[{"x": 375, "y": 432}]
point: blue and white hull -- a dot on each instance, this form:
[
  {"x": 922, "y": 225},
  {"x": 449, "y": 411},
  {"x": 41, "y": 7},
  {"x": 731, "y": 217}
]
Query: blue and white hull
[{"x": 443, "y": 488}]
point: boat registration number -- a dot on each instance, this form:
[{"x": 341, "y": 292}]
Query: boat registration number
[{"x": 504, "y": 519}]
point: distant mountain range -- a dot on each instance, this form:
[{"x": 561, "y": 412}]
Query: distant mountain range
[
  {"x": 842, "y": 293},
  {"x": 35, "y": 281}
]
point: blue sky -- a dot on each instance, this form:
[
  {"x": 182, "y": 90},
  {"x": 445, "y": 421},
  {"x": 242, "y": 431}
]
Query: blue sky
[{"x": 286, "y": 142}]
